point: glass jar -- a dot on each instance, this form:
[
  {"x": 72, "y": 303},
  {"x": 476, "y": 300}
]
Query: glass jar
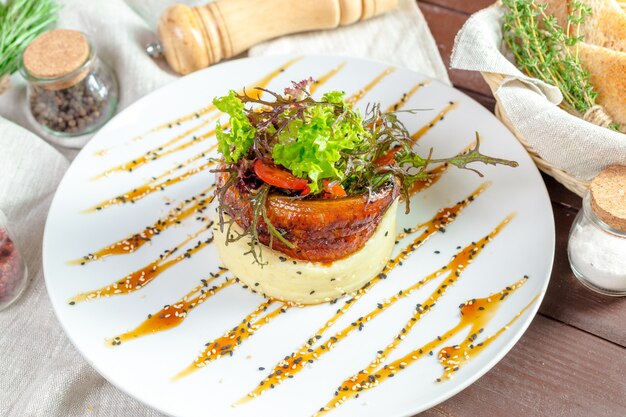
[
  {"x": 70, "y": 91},
  {"x": 597, "y": 252},
  {"x": 13, "y": 273}
]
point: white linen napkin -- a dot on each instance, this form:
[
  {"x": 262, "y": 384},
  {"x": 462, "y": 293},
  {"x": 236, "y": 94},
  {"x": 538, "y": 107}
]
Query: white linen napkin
[
  {"x": 580, "y": 148},
  {"x": 41, "y": 374}
]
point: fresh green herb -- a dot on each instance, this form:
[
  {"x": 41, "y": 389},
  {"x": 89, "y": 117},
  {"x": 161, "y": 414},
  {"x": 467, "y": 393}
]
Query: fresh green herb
[
  {"x": 235, "y": 143},
  {"x": 546, "y": 51},
  {"x": 20, "y": 22},
  {"x": 325, "y": 142},
  {"x": 313, "y": 148}
]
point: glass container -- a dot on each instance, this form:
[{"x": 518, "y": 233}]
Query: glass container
[
  {"x": 597, "y": 252},
  {"x": 70, "y": 91},
  {"x": 13, "y": 273}
]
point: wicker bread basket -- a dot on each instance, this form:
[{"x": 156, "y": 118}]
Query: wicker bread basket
[{"x": 571, "y": 183}]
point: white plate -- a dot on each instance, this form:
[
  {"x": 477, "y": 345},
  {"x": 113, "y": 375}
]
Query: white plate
[{"x": 143, "y": 367}]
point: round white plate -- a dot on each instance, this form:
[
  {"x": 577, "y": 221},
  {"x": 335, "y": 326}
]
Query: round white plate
[{"x": 143, "y": 367}]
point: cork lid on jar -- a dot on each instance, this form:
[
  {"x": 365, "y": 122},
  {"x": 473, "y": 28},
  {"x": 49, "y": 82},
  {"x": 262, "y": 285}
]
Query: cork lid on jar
[
  {"x": 608, "y": 196},
  {"x": 55, "y": 54}
]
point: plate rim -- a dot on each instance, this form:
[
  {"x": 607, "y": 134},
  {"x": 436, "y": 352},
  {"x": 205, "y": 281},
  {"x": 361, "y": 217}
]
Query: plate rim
[{"x": 530, "y": 314}]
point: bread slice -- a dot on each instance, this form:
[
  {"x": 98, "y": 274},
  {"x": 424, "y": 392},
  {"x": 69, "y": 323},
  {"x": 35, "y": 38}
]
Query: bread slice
[
  {"x": 557, "y": 8},
  {"x": 607, "y": 69},
  {"x": 605, "y": 27}
]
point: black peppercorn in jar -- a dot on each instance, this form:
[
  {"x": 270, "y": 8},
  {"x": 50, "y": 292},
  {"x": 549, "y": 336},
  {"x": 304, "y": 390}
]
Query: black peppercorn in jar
[{"x": 70, "y": 91}]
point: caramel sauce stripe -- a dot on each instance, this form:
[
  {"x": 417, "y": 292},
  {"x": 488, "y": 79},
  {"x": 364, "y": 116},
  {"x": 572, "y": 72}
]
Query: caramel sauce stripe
[
  {"x": 358, "y": 95},
  {"x": 434, "y": 175},
  {"x": 193, "y": 206},
  {"x": 475, "y": 315},
  {"x": 434, "y": 121},
  {"x": 155, "y": 184},
  {"x": 324, "y": 78},
  {"x": 172, "y": 315},
  {"x": 231, "y": 340},
  {"x": 163, "y": 150},
  {"x": 140, "y": 278},
  {"x": 407, "y": 96}
]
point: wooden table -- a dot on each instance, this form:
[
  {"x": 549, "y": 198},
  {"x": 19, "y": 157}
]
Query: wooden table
[{"x": 572, "y": 359}]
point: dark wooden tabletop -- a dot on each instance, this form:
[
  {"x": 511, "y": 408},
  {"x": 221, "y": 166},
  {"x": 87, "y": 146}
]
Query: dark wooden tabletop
[{"x": 572, "y": 359}]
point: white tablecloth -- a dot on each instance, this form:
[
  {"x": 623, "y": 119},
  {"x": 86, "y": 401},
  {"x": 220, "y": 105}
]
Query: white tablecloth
[{"x": 41, "y": 374}]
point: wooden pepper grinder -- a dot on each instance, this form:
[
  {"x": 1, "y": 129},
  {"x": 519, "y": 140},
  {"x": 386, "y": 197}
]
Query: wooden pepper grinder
[{"x": 192, "y": 38}]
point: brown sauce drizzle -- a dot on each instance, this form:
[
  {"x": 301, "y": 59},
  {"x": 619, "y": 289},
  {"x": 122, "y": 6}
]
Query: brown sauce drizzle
[
  {"x": 196, "y": 115},
  {"x": 453, "y": 357},
  {"x": 160, "y": 152},
  {"x": 421, "y": 132},
  {"x": 195, "y": 205},
  {"x": 154, "y": 185},
  {"x": 475, "y": 315},
  {"x": 308, "y": 354},
  {"x": 230, "y": 341},
  {"x": 173, "y": 315},
  {"x": 142, "y": 277},
  {"x": 406, "y": 96},
  {"x": 363, "y": 91},
  {"x": 324, "y": 78}
]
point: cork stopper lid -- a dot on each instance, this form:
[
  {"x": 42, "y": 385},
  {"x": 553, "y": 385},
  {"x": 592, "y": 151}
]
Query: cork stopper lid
[
  {"x": 608, "y": 197},
  {"x": 56, "y": 53}
]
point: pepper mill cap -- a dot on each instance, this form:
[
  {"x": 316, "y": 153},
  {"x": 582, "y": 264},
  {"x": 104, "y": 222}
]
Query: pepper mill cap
[
  {"x": 608, "y": 196},
  {"x": 56, "y": 53}
]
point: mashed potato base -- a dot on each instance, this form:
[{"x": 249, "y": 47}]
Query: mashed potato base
[{"x": 305, "y": 282}]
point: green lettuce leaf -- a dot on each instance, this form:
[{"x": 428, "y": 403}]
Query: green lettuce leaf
[
  {"x": 236, "y": 141},
  {"x": 314, "y": 149}
]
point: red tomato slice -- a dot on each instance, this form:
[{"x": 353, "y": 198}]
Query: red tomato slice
[
  {"x": 278, "y": 177},
  {"x": 387, "y": 159},
  {"x": 334, "y": 190}
]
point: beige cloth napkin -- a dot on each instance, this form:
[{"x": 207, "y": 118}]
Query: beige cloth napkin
[
  {"x": 41, "y": 374},
  {"x": 578, "y": 147}
]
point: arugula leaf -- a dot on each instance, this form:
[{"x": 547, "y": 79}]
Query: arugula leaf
[{"x": 236, "y": 142}]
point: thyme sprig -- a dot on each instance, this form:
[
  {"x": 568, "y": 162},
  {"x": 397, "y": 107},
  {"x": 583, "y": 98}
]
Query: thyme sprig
[{"x": 545, "y": 50}]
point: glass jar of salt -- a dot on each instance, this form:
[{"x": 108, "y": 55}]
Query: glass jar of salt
[
  {"x": 597, "y": 241},
  {"x": 13, "y": 274},
  {"x": 70, "y": 91}
]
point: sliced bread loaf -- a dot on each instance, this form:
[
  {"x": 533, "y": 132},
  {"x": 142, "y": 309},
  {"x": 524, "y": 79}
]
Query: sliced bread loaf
[
  {"x": 605, "y": 27},
  {"x": 607, "y": 69}
]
